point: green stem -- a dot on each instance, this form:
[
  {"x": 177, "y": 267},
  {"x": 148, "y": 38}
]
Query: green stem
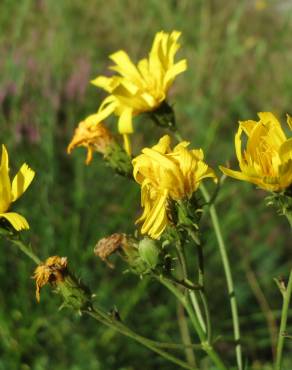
[
  {"x": 185, "y": 334},
  {"x": 281, "y": 338},
  {"x": 202, "y": 283},
  {"x": 228, "y": 276},
  {"x": 182, "y": 322},
  {"x": 196, "y": 306},
  {"x": 25, "y": 249},
  {"x": 121, "y": 328},
  {"x": 106, "y": 320},
  {"x": 206, "y": 346},
  {"x": 192, "y": 294}
]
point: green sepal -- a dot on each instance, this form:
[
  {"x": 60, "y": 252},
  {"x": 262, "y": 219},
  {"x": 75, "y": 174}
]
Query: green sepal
[
  {"x": 119, "y": 160},
  {"x": 164, "y": 116},
  {"x": 283, "y": 203},
  {"x": 74, "y": 294}
]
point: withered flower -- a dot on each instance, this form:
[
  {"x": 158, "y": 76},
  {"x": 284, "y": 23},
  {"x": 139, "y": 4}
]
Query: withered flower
[
  {"x": 109, "y": 245},
  {"x": 93, "y": 135},
  {"x": 52, "y": 271}
]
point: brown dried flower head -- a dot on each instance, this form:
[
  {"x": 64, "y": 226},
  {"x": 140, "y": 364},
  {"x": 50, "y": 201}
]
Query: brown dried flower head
[
  {"x": 93, "y": 135},
  {"x": 109, "y": 245},
  {"x": 52, "y": 271}
]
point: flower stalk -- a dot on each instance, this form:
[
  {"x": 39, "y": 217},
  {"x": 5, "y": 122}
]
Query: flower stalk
[
  {"x": 228, "y": 276},
  {"x": 286, "y": 293}
]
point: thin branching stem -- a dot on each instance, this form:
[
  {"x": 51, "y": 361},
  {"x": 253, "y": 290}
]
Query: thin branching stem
[
  {"x": 121, "y": 328},
  {"x": 206, "y": 346},
  {"x": 192, "y": 294},
  {"x": 106, "y": 319}
]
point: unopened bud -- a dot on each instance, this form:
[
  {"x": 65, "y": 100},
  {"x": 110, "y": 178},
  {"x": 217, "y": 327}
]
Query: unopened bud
[{"x": 149, "y": 252}]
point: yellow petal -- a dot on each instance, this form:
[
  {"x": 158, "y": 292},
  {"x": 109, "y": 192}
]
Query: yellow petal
[
  {"x": 16, "y": 220},
  {"x": 106, "y": 108},
  {"x": 163, "y": 145},
  {"x": 248, "y": 126},
  {"x": 171, "y": 73},
  {"x": 127, "y": 145},
  {"x": 285, "y": 175},
  {"x": 5, "y": 184},
  {"x": 237, "y": 142},
  {"x": 235, "y": 174},
  {"x": 125, "y": 124},
  {"x": 156, "y": 221},
  {"x": 285, "y": 151},
  {"x": 21, "y": 181},
  {"x": 124, "y": 66},
  {"x": 107, "y": 83},
  {"x": 289, "y": 121},
  {"x": 276, "y": 132}
]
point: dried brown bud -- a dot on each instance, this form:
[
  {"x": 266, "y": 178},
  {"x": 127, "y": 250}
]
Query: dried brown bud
[{"x": 109, "y": 245}]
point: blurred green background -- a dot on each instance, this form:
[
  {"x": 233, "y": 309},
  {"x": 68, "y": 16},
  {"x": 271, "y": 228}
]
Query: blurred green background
[{"x": 239, "y": 56}]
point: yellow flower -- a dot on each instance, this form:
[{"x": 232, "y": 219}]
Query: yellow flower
[
  {"x": 51, "y": 271},
  {"x": 166, "y": 174},
  {"x": 93, "y": 135},
  {"x": 267, "y": 158},
  {"x": 10, "y": 192},
  {"x": 141, "y": 88}
]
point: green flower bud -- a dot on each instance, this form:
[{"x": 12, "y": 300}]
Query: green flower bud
[{"x": 149, "y": 252}]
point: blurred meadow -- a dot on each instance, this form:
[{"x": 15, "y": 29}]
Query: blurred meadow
[{"x": 239, "y": 63}]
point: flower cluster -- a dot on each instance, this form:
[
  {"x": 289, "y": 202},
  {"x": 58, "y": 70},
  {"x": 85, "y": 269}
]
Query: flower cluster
[{"x": 169, "y": 178}]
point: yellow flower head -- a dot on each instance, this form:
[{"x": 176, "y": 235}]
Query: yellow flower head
[
  {"x": 93, "y": 135},
  {"x": 166, "y": 174},
  {"x": 267, "y": 158},
  {"x": 10, "y": 192},
  {"x": 51, "y": 271},
  {"x": 141, "y": 88}
]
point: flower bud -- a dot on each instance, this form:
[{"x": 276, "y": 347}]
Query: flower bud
[{"x": 149, "y": 252}]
